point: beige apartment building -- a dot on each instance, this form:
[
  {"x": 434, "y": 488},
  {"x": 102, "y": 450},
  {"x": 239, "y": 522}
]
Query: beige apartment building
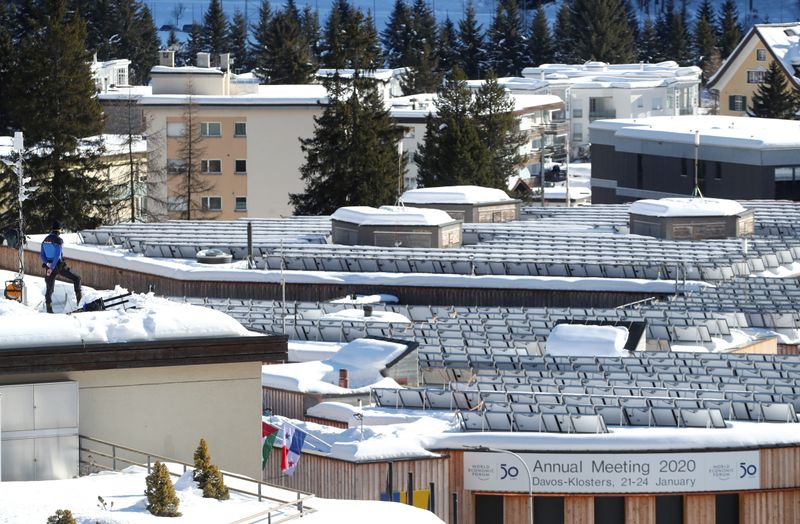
[
  {"x": 247, "y": 158},
  {"x": 737, "y": 80}
]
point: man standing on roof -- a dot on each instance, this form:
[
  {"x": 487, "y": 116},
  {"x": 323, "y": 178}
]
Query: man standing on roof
[{"x": 50, "y": 253}]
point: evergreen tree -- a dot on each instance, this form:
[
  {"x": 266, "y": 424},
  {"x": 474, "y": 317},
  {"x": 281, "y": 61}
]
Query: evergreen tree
[
  {"x": 309, "y": 26},
  {"x": 7, "y": 66},
  {"x": 259, "y": 46},
  {"x": 194, "y": 44},
  {"x": 423, "y": 65},
  {"x": 507, "y": 54},
  {"x": 173, "y": 44},
  {"x": 58, "y": 113},
  {"x": 363, "y": 48},
  {"x": 240, "y": 54},
  {"x": 470, "y": 44},
  {"x": 563, "y": 32},
  {"x": 601, "y": 31},
  {"x": 452, "y": 153},
  {"x": 664, "y": 29},
  {"x": 729, "y": 32},
  {"x": 705, "y": 39},
  {"x": 202, "y": 460},
  {"x": 287, "y": 57},
  {"x": 773, "y": 97},
  {"x": 352, "y": 159},
  {"x": 61, "y": 516},
  {"x": 161, "y": 498},
  {"x": 498, "y": 129},
  {"x": 446, "y": 46},
  {"x": 649, "y": 45},
  {"x": 214, "y": 35},
  {"x": 214, "y": 487},
  {"x": 396, "y": 36},
  {"x": 334, "y": 48},
  {"x": 541, "y": 49},
  {"x": 680, "y": 40}
]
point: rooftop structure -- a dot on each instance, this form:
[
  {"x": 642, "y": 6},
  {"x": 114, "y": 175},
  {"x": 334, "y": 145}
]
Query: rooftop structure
[
  {"x": 395, "y": 226},
  {"x": 466, "y": 203}
]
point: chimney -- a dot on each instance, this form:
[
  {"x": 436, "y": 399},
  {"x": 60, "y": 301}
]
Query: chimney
[
  {"x": 203, "y": 60},
  {"x": 344, "y": 379},
  {"x": 225, "y": 61},
  {"x": 166, "y": 58}
]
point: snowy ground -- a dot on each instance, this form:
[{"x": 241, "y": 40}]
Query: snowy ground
[{"x": 33, "y": 502}]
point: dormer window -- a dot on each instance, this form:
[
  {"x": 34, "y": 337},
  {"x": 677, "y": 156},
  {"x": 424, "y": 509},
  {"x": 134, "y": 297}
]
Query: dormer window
[{"x": 761, "y": 55}]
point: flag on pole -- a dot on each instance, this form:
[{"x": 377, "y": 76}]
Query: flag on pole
[
  {"x": 293, "y": 439},
  {"x": 268, "y": 434}
]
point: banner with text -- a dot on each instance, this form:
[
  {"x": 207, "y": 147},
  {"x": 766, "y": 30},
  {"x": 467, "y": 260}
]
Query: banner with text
[{"x": 613, "y": 473}]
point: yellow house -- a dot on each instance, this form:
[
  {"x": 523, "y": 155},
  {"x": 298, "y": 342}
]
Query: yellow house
[
  {"x": 249, "y": 140},
  {"x": 738, "y": 78}
]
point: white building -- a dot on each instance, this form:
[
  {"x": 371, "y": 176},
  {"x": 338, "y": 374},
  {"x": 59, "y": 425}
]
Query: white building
[
  {"x": 389, "y": 80},
  {"x": 111, "y": 73},
  {"x": 596, "y": 90}
]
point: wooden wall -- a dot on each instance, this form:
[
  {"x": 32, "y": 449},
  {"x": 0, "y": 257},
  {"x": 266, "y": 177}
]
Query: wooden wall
[{"x": 106, "y": 277}]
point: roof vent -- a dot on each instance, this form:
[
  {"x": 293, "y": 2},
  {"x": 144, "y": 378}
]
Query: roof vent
[
  {"x": 791, "y": 32},
  {"x": 203, "y": 60},
  {"x": 213, "y": 256},
  {"x": 166, "y": 58}
]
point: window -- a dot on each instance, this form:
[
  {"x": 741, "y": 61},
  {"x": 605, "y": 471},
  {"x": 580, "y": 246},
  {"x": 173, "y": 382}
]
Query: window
[
  {"x": 577, "y": 132},
  {"x": 548, "y": 509},
  {"x": 684, "y": 167},
  {"x": 761, "y": 55},
  {"x": 175, "y": 129},
  {"x": 669, "y": 509},
  {"x": 175, "y": 167},
  {"x": 787, "y": 174},
  {"x": 718, "y": 170},
  {"x": 211, "y": 167},
  {"x": 657, "y": 104},
  {"x": 609, "y": 510},
  {"x": 122, "y": 76},
  {"x": 210, "y": 129},
  {"x": 212, "y": 203},
  {"x": 176, "y": 204},
  {"x": 755, "y": 77},
  {"x": 727, "y": 508},
  {"x": 577, "y": 113},
  {"x": 737, "y": 103},
  {"x": 241, "y": 204},
  {"x": 240, "y": 129},
  {"x": 240, "y": 167}
]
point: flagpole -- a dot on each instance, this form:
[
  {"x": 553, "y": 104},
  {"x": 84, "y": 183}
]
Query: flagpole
[{"x": 307, "y": 433}]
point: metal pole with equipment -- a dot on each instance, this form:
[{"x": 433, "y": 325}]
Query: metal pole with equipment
[{"x": 15, "y": 289}]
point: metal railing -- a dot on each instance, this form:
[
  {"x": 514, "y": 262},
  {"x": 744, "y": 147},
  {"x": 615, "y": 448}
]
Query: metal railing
[{"x": 113, "y": 455}]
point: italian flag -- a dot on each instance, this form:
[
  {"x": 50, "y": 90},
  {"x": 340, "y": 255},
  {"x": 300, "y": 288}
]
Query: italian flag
[{"x": 268, "y": 434}]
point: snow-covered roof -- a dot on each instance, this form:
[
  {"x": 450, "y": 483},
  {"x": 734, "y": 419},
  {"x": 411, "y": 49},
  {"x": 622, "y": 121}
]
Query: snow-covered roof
[
  {"x": 686, "y": 207},
  {"x": 364, "y": 359},
  {"x": 118, "y": 144},
  {"x": 784, "y": 41},
  {"x": 307, "y": 94},
  {"x": 454, "y": 195},
  {"x": 152, "y": 319},
  {"x": 587, "y": 340},
  {"x": 722, "y": 131},
  {"x": 383, "y": 75},
  {"x": 560, "y": 192},
  {"x": 422, "y": 104},
  {"x": 185, "y": 70},
  {"x": 392, "y": 215},
  {"x": 125, "y": 92},
  {"x": 602, "y": 75}
]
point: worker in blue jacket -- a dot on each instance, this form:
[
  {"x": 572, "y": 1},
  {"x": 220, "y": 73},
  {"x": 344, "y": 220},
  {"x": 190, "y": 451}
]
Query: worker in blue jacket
[{"x": 52, "y": 260}]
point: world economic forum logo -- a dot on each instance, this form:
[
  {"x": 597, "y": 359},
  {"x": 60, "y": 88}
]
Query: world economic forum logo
[{"x": 482, "y": 472}]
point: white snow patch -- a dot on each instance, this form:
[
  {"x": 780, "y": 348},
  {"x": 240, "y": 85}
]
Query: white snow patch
[
  {"x": 380, "y": 298},
  {"x": 686, "y": 207},
  {"x": 357, "y": 315},
  {"x": 586, "y": 340},
  {"x": 454, "y": 195},
  {"x": 391, "y": 215}
]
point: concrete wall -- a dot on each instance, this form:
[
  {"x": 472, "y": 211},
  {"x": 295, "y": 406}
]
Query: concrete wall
[{"x": 166, "y": 410}]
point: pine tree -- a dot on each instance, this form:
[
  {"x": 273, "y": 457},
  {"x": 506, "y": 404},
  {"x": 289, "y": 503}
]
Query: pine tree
[
  {"x": 214, "y": 36},
  {"x": 334, "y": 53},
  {"x": 61, "y": 516},
  {"x": 705, "y": 39},
  {"x": 58, "y": 113},
  {"x": 362, "y": 47},
  {"x": 161, "y": 498},
  {"x": 202, "y": 460},
  {"x": 446, "y": 46},
  {"x": 649, "y": 45},
  {"x": 729, "y": 32},
  {"x": 600, "y": 30},
  {"x": 773, "y": 97},
  {"x": 352, "y": 159},
  {"x": 423, "y": 65},
  {"x": 506, "y": 55},
  {"x": 193, "y": 45},
  {"x": 498, "y": 129},
  {"x": 240, "y": 54},
  {"x": 214, "y": 486},
  {"x": 452, "y": 153},
  {"x": 680, "y": 40},
  {"x": 259, "y": 47},
  {"x": 7, "y": 59},
  {"x": 541, "y": 49},
  {"x": 396, "y": 36},
  {"x": 309, "y": 26},
  {"x": 470, "y": 44},
  {"x": 287, "y": 57},
  {"x": 664, "y": 29},
  {"x": 563, "y": 32}
]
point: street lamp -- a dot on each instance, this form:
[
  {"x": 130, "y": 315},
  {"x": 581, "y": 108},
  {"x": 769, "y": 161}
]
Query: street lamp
[{"x": 527, "y": 471}]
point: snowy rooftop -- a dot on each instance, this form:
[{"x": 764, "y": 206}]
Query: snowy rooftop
[
  {"x": 454, "y": 195},
  {"x": 185, "y": 70},
  {"x": 721, "y": 131},
  {"x": 392, "y": 215},
  {"x": 420, "y": 105},
  {"x": 686, "y": 207},
  {"x": 784, "y": 41},
  {"x": 383, "y": 75},
  {"x": 602, "y": 75},
  {"x": 560, "y": 192},
  {"x": 310, "y": 94},
  {"x": 587, "y": 340}
]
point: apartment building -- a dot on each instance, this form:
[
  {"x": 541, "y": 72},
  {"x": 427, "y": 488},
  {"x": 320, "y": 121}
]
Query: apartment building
[
  {"x": 738, "y": 78},
  {"x": 248, "y": 155},
  {"x": 596, "y": 90}
]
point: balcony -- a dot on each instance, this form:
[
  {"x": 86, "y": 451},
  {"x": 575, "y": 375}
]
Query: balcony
[{"x": 602, "y": 115}]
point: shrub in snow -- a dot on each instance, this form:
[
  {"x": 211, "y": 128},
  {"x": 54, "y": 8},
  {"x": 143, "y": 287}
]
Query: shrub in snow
[
  {"x": 161, "y": 498},
  {"x": 61, "y": 516},
  {"x": 207, "y": 475}
]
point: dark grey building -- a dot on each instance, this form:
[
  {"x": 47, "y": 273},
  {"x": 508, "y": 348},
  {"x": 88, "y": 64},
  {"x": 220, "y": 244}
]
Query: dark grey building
[
  {"x": 738, "y": 158},
  {"x": 391, "y": 226}
]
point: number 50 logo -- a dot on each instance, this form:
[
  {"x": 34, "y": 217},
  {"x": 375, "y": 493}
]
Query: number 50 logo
[
  {"x": 747, "y": 470},
  {"x": 508, "y": 471}
]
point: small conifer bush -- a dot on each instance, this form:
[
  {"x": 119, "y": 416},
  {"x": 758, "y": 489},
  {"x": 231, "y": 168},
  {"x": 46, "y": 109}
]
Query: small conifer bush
[
  {"x": 161, "y": 498},
  {"x": 61, "y": 516},
  {"x": 207, "y": 475}
]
